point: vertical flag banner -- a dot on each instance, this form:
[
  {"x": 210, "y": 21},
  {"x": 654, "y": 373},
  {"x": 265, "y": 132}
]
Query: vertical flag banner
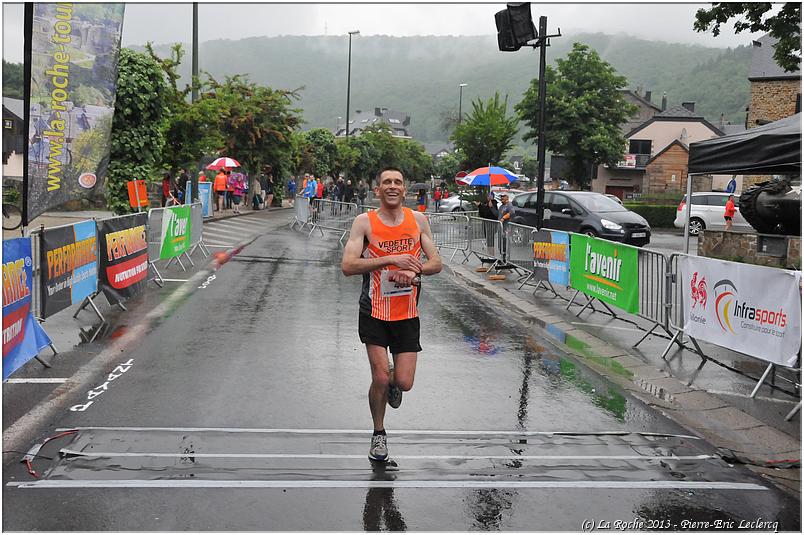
[
  {"x": 123, "y": 248},
  {"x": 755, "y": 310},
  {"x": 175, "y": 231},
  {"x": 205, "y": 196},
  {"x": 551, "y": 257},
  {"x": 69, "y": 266},
  {"x": 605, "y": 270},
  {"x": 74, "y": 60},
  {"x": 23, "y": 337}
]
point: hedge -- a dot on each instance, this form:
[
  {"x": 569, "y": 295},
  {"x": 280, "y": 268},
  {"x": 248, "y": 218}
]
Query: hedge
[{"x": 658, "y": 216}]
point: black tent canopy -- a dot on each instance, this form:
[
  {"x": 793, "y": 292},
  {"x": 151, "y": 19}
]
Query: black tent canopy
[{"x": 774, "y": 148}]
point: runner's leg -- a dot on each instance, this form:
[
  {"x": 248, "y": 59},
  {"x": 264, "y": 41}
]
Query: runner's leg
[
  {"x": 378, "y": 392},
  {"x": 404, "y": 370}
]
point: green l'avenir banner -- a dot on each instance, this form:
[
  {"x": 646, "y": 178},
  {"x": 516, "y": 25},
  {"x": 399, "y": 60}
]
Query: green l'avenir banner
[
  {"x": 605, "y": 270},
  {"x": 175, "y": 231}
]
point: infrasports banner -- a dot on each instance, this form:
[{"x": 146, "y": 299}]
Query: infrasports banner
[
  {"x": 123, "y": 247},
  {"x": 605, "y": 270},
  {"x": 551, "y": 258},
  {"x": 205, "y": 195},
  {"x": 23, "y": 337},
  {"x": 74, "y": 61},
  {"x": 175, "y": 237},
  {"x": 69, "y": 266},
  {"x": 755, "y": 310}
]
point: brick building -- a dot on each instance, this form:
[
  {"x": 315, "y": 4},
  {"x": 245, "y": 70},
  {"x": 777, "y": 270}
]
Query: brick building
[{"x": 775, "y": 93}]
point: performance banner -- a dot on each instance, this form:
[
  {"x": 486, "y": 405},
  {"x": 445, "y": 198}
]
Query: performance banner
[
  {"x": 755, "y": 310},
  {"x": 175, "y": 231},
  {"x": 23, "y": 337},
  {"x": 123, "y": 246},
  {"x": 605, "y": 270},
  {"x": 205, "y": 195},
  {"x": 69, "y": 266},
  {"x": 551, "y": 257},
  {"x": 74, "y": 62}
]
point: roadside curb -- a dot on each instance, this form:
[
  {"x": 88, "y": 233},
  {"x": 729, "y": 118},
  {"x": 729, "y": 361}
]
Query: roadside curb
[{"x": 704, "y": 415}]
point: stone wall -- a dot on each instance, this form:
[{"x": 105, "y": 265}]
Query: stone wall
[
  {"x": 777, "y": 251},
  {"x": 771, "y": 100}
]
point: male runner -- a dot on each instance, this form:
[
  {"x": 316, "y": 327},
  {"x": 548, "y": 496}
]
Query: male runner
[{"x": 385, "y": 246}]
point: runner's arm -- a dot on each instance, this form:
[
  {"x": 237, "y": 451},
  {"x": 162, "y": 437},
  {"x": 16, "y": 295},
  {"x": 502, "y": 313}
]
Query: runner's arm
[
  {"x": 354, "y": 264},
  {"x": 433, "y": 264}
]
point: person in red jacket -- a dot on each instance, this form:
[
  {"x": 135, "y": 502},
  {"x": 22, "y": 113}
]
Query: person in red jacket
[
  {"x": 319, "y": 190},
  {"x": 729, "y": 213}
]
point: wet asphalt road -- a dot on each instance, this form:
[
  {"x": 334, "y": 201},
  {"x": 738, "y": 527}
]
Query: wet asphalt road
[{"x": 245, "y": 408}]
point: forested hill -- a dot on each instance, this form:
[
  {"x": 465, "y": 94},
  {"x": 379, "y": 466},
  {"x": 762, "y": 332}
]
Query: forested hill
[{"x": 420, "y": 75}]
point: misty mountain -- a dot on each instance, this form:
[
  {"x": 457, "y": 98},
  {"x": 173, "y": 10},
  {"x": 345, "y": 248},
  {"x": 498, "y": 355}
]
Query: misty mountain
[{"x": 420, "y": 75}]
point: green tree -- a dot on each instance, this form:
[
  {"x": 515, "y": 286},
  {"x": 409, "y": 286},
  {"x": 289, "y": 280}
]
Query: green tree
[
  {"x": 785, "y": 26},
  {"x": 583, "y": 112},
  {"x": 12, "y": 80},
  {"x": 487, "y": 133},
  {"x": 447, "y": 166},
  {"x": 136, "y": 140},
  {"x": 321, "y": 151}
]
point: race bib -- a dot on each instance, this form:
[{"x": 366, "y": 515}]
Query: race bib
[{"x": 389, "y": 288}]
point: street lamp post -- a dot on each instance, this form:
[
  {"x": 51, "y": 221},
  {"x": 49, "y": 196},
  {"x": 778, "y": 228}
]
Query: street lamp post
[
  {"x": 349, "y": 79},
  {"x": 338, "y": 124},
  {"x": 460, "y": 101}
]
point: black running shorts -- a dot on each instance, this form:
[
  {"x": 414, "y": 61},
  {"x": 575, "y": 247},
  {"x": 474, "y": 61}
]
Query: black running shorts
[{"x": 400, "y": 336}]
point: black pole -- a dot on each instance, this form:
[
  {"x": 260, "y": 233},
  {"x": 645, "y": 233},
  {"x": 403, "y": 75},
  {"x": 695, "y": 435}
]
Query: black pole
[
  {"x": 348, "y": 84},
  {"x": 195, "y": 50},
  {"x": 542, "y": 99},
  {"x": 26, "y": 98},
  {"x": 460, "y": 102}
]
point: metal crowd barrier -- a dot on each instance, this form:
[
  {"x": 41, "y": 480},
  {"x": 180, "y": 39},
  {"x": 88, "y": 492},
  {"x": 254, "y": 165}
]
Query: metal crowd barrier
[
  {"x": 519, "y": 239},
  {"x": 486, "y": 240},
  {"x": 197, "y": 229},
  {"x": 36, "y": 273},
  {"x": 450, "y": 231},
  {"x": 333, "y": 215},
  {"x": 654, "y": 290},
  {"x": 301, "y": 212}
]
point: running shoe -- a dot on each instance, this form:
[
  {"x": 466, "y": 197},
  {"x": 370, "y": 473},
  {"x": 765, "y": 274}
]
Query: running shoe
[
  {"x": 394, "y": 396},
  {"x": 379, "y": 448}
]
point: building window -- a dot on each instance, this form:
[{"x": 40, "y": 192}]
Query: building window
[{"x": 639, "y": 146}]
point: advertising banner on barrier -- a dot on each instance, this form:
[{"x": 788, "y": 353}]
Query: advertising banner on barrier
[
  {"x": 755, "y": 310},
  {"x": 23, "y": 337},
  {"x": 205, "y": 196},
  {"x": 605, "y": 270},
  {"x": 69, "y": 266},
  {"x": 551, "y": 257},
  {"x": 175, "y": 237},
  {"x": 123, "y": 248},
  {"x": 74, "y": 61}
]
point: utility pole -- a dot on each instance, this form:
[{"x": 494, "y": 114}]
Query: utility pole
[
  {"x": 541, "y": 149},
  {"x": 195, "y": 50},
  {"x": 349, "y": 79}
]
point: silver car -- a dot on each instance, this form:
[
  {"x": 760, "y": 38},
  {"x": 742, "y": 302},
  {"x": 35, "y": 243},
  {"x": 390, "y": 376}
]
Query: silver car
[
  {"x": 454, "y": 203},
  {"x": 707, "y": 212}
]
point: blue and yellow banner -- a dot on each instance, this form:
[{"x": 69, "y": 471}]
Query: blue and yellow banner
[
  {"x": 23, "y": 337},
  {"x": 69, "y": 266}
]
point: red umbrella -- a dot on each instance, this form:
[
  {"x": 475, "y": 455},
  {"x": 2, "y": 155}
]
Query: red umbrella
[
  {"x": 488, "y": 176},
  {"x": 224, "y": 162}
]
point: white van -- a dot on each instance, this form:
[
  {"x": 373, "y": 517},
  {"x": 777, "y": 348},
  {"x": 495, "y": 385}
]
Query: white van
[{"x": 707, "y": 212}]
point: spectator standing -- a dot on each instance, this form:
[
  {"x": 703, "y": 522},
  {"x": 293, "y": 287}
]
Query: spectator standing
[
  {"x": 728, "y": 214},
  {"x": 202, "y": 176},
  {"x": 362, "y": 191},
  {"x": 488, "y": 210},
  {"x": 506, "y": 212},
  {"x": 167, "y": 187},
  {"x": 184, "y": 178},
  {"x": 421, "y": 200},
  {"x": 292, "y": 189},
  {"x": 268, "y": 190},
  {"x": 237, "y": 181},
  {"x": 349, "y": 192},
  {"x": 437, "y": 198},
  {"x": 229, "y": 190},
  {"x": 220, "y": 189},
  {"x": 319, "y": 189}
]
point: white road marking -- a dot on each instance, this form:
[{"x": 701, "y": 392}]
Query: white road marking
[
  {"x": 224, "y": 246},
  {"x": 364, "y": 431},
  {"x": 225, "y": 232},
  {"x": 175, "y": 280},
  {"x": 240, "y": 224},
  {"x": 325, "y": 484},
  {"x": 36, "y": 380},
  {"x": 415, "y": 457}
]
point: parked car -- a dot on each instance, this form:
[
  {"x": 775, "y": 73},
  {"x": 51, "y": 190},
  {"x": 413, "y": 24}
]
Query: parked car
[
  {"x": 454, "y": 203},
  {"x": 707, "y": 212},
  {"x": 584, "y": 212},
  {"x": 613, "y": 198}
]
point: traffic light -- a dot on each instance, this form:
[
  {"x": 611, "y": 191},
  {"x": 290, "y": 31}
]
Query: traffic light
[{"x": 514, "y": 27}]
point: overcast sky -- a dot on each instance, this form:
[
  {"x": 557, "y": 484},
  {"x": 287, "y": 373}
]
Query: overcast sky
[{"x": 168, "y": 23}]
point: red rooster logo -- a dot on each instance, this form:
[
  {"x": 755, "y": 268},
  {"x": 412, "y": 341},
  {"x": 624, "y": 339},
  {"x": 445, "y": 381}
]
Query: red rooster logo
[{"x": 698, "y": 290}]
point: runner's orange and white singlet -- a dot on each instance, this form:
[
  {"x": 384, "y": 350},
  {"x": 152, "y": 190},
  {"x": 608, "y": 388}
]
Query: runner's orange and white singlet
[{"x": 379, "y": 298}]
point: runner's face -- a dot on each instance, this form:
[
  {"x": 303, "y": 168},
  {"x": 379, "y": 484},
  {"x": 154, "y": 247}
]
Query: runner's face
[{"x": 391, "y": 190}]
